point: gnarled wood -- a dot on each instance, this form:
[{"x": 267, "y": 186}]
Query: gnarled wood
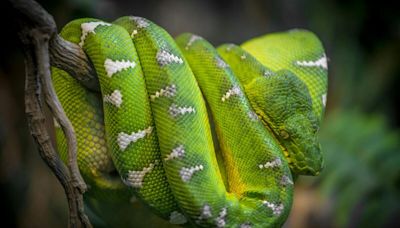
[
  {"x": 71, "y": 58},
  {"x": 39, "y": 41}
]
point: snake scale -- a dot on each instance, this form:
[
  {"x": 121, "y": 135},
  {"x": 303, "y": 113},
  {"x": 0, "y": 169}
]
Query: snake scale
[{"x": 202, "y": 136}]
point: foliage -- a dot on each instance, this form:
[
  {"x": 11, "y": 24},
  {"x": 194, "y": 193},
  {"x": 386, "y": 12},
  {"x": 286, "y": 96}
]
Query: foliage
[{"x": 362, "y": 173}]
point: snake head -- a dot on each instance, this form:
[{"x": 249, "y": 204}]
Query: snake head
[{"x": 284, "y": 104}]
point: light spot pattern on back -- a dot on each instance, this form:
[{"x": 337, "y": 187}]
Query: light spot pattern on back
[
  {"x": 276, "y": 208},
  {"x": 268, "y": 73},
  {"x": 229, "y": 47},
  {"x": 175, "y": 110},
  {"x": 252, "y": 115},
  {"x": 321, "y": 62},
  {"x": 187, "y": 173},
  {"x": 192, "y": 39},
  {"x": 235, "y": 90},
  {"x": 125, "y": 139},
  {"x": 221, "y": 63},
  {"x": 114, "y": 98},
  {"x": 220, "y": 220},
  {"x": 176, "y": 153},
  {"x": 168, "y": 91},
  {"x": 164, "y": 58},
  {"x": 286, "y": 181},
  {"x": 114, "y": 66},
  {"x": 140, "y": 22},
  {"x": 135, "y": 178},
  {"x": 134, "y": 32},
  {"x": 271, "y": 164},
  {"x": 246, "y": 225},
  {"x": 206, "y": 212},
  {"x": 89, "y": 27}
]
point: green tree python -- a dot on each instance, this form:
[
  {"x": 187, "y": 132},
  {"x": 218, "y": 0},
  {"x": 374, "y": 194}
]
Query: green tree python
[{"x": 202, "y": 136}]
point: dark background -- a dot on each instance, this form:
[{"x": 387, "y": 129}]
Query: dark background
[{"x": 360, "y": 186}]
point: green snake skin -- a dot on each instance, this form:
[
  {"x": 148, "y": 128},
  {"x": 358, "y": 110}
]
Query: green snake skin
[{"x": 202, "y": 136}]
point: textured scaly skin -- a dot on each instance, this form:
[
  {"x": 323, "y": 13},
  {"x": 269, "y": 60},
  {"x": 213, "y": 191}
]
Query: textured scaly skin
[{"x": 151, "y": 120}]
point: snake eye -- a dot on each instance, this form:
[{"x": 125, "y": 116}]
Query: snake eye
[{"x": 284, "y": 134}]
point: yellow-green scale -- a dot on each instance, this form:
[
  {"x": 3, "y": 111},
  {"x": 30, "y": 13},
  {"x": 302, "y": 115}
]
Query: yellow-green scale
[
  {"x": 244, "y": 141},
  {"x": 133, "y": 115},
  {"x": 289, "y": 50},
  {"x": 191, "y": 129},
  {"x": 107, "y": 197}
]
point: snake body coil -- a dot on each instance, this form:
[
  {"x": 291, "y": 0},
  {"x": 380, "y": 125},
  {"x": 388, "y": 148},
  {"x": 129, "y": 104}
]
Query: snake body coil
[{"x": 150, "y": 121}]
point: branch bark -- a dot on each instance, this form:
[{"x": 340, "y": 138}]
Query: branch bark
[
  {"x": 71, "y": 58},
  {"x": 42, "y": 45}
]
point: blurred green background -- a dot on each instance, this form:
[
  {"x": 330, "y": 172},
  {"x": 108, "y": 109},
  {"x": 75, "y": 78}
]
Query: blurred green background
[{"x": 360, "y": 186}]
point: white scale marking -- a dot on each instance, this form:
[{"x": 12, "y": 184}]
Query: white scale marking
[
  {"x": 135, "y": 178},
  {"x": 321, "y": 62},
  {"x": 177, "y": 218},
  {"x": 275, "y": 163},
  {"x": 243, "y": 57},
  {"x": 206, "y": 212},
  {"x": 286, "y": 181},
  {"x": 125, "y": 139},
  {"x": 187, "y": 173},
  {"x": 114, "y": 98},
  {"x": 221, "y": 63},
  {"x": 246, "y": 225},
  {"x": 164, "y": 58},
  {"x": 276, "y": 209},
  {"x": 220, "y": 220},
  {"x": 140, "y": 22},
  {"x": 252, "y": 115},
  {"x": 324, "y": 99},
  {"x": 235, "y": 90},
  {"x": 175, "y": 110},
  {"x": 89, "y": 27},
  {"x": 176, "y": 153},
  {"x": 229, "y": 47},
  {"x": 268, "y": 73},
  {"x": 114, "y": 66},
  {"x": 168, "y": 91},
  {"x": 134, "y": 32},
  {"x": 192, "y": 39}
]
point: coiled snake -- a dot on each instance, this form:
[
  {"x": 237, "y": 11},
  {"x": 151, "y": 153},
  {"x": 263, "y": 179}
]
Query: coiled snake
[{"x": 151, "y": 121}]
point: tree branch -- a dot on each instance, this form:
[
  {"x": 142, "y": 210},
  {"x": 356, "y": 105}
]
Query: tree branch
[
  {"x": 38, "y": 30},
  {"x": 71, "y": 58}
]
